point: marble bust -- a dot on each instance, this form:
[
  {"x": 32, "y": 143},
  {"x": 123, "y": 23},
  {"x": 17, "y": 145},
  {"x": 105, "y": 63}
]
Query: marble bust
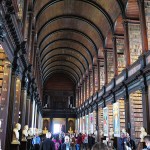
[
  {"x": 30, "y": 133},
  {"x": 143, "y": 134},
  {"x": 15, "y": 139},
  {"x": 25, "y": 133},
  {"x": 111, "y": 133}
]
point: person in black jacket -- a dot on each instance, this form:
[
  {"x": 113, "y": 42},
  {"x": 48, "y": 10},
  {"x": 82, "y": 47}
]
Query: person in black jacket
[
  {"x": 47, "y": 144},
  {"x": 66, "y": 144}
]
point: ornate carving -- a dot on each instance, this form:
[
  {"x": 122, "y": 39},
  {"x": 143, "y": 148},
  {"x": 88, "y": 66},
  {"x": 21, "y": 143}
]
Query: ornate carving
[
  {"x": 10, "y": 7},
  {"x": 2, "y": 33},
  {"x": 23, "y": 47}
]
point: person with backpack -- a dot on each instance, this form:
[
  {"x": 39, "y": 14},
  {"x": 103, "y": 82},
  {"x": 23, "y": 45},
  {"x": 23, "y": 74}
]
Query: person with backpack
[{"x": 47, "y": 144}]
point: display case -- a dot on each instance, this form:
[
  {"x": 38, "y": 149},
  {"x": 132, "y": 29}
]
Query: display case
[
  {"x": 110, "y": 65},
  {"x": 136, "y": 113},
  {"x": 120, "y": 54},
  {"x": 135, "y": 42}
]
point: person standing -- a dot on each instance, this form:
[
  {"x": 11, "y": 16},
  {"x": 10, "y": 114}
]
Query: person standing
[
  {"x": 66, "y": 144},
  {"x": 147, "y": 142},
  {"x": 36, "y": 142},
  {"x": 47, "y": 144}
]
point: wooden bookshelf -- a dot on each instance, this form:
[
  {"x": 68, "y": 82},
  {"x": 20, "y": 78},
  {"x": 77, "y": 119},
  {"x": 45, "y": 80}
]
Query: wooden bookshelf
[
  {"x": 136, "y": 113},
  {"x": 91, "y": 83},
  {"x": 94, "y": 121},
  {"x": 122, "y": 113},
  {"x": 147, "y": 16},
  {"x": 135, "y": 43},
  {"x": 102, "y": 76},
  {"x": 120, "y": 55},
  {"x": 110, "y": 67},
  {"x": 100, "y": 120},
  {"x": 110, "y": 116},
  {"x": 87, "y": 124},
  {"x": 96, "y": 78},
  {"x": 87, "y": 88}
]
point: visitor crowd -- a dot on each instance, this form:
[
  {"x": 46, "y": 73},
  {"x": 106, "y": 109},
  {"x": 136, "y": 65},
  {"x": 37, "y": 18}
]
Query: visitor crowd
[{"x": 64, "y": 141}]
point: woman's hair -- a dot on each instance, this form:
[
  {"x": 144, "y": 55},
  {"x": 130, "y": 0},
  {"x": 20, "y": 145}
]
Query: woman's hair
[{"x": 99, "y": 146}]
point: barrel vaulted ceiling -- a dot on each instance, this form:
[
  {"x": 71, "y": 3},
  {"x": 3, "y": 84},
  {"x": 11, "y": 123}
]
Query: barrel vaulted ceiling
[{"x": 70, "y": 33}]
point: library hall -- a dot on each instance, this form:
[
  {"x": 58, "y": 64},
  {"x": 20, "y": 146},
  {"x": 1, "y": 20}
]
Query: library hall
[{"x": 74, "y": 74}]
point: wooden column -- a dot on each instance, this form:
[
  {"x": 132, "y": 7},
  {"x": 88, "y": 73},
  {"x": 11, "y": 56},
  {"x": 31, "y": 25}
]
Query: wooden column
[
  {"x": 23, "y": 101},
  {"x": 146, "y": 110},
  {"x": 98, "y": 67},
  {"x": 30, "y": 117},
  {"x": 97, "y": 127},
  {"x": 17, "y": 101},
  {"x": 37, "y": 117},
  {"x": 51, "y": 125},
  {"x": 24, "y": 22},
  {"x": 35, "y": 114},
  {"x": 66, "y": 124},
  {"x": 126, "y": 41},
  {"x": 83, "y": 99},
  {"x": 28, "y": 103},
  {"x": 93, "y": 74},
  {"x": 10, "y": 119},
  {"x": 127, "y": 113},
  {"x": 143, "y": 26},
  {"x": 115, "y": 57},
  {"x": 105, "y": 67},
  {"x": 85, "y": 87},
  {"x": 4, "y": 103}
]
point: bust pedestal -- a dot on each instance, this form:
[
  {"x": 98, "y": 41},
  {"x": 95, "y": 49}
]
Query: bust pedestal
[
  {"x": 23, "y": 145},
  {"x": 14, "y": 146}
]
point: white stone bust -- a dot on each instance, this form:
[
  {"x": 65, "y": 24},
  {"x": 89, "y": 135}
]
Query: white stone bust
[
  {"x": 101, "y": 133},
  {"x": 143, "y": 134},
  {"x": 30, "y": 133},
  {"x": 15, "y": 139},
  {"x": 111, "y": 133},
  {"x": 25, "y": 133}
]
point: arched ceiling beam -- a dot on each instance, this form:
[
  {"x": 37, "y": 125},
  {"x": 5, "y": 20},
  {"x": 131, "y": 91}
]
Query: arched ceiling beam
[
  {"x": 65, "y": 48},
  {"x": 66, "y": 56},
  {"x": 63, "y": 40},
  {"x": 57, "y": 62},
  {"x": 69, "y": 76},
  {"x": 92, "y": 3},
  {"x": 70, "y": 30},
  {"x": 60, "y": 71},
  {"x": 74, "y": 17},
  {"x": 62, "y": 61},
  {"x": 65, "y": 68},
  {"x": 122, "y": 8}
]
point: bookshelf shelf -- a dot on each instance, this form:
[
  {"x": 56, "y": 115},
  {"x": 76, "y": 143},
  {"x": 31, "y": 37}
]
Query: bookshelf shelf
[{"x": 136, "y": 113}]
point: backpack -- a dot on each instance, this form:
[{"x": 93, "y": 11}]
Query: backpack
[{"x": 57, "y": 146}]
